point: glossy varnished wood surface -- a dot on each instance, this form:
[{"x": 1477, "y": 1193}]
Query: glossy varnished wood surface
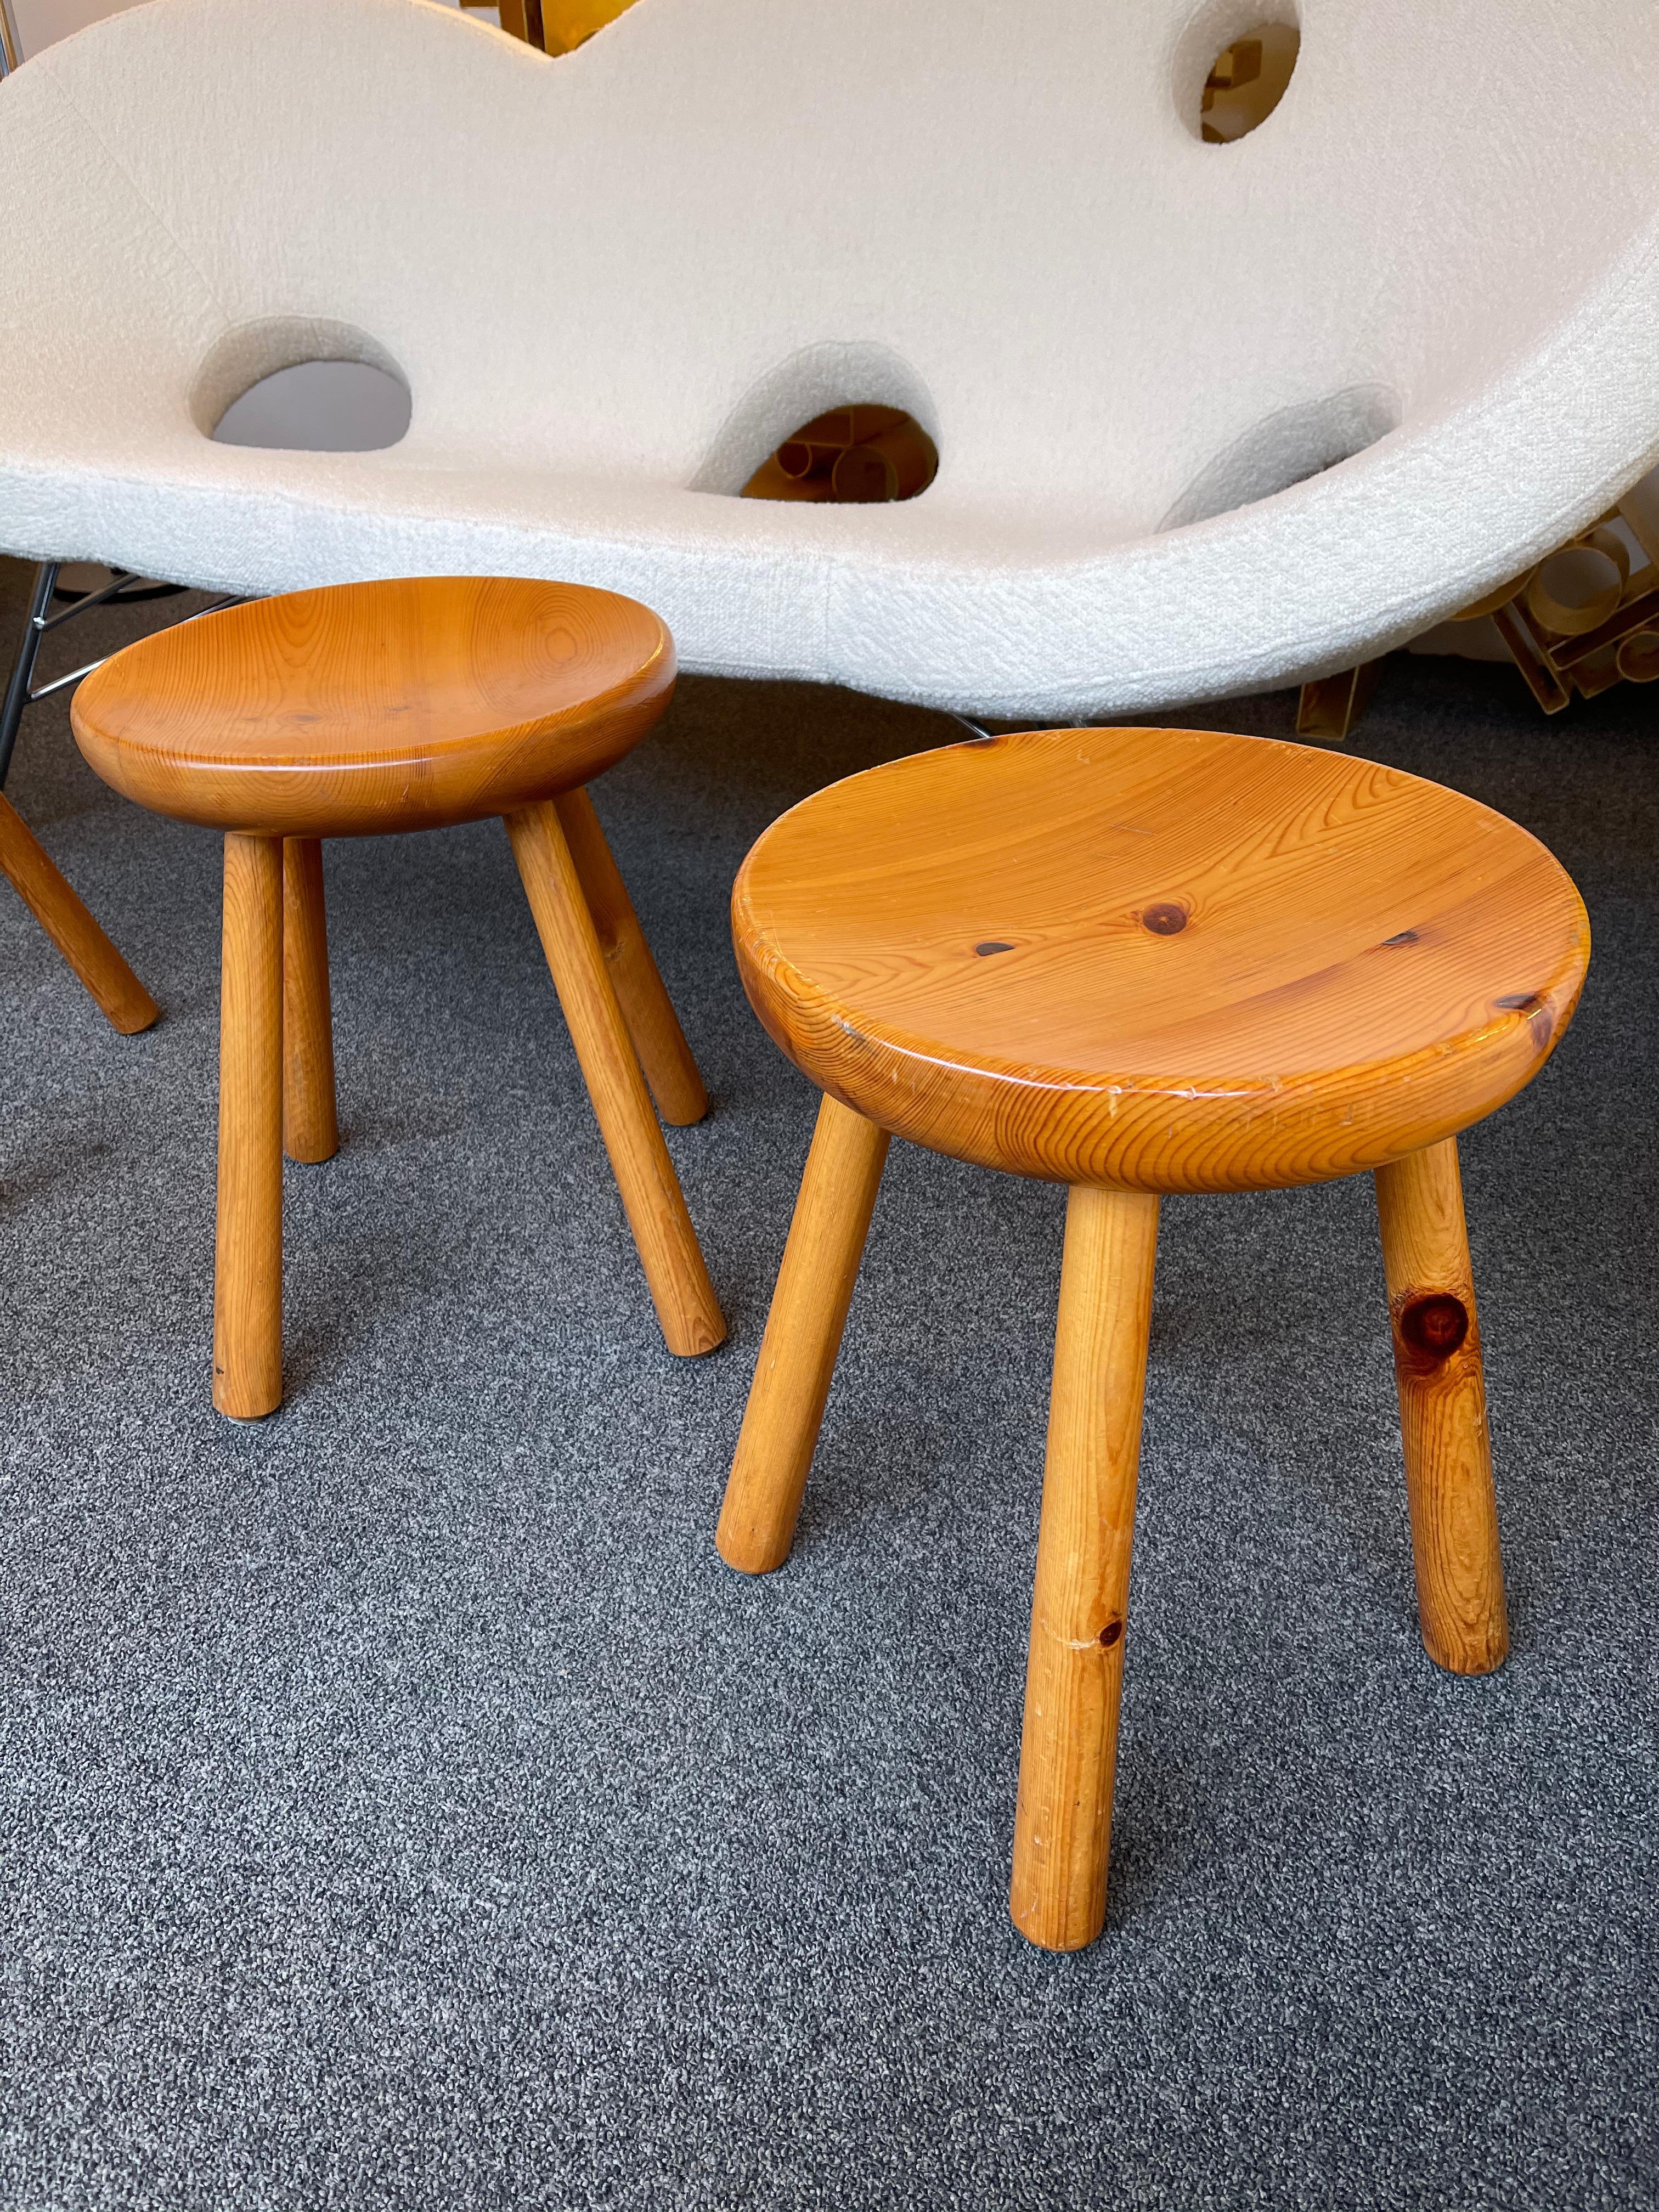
[
  {"x": 1159, "y": 960},
  {"x": 803, "y": 1328},
  {"x": 646, "y": 1008},
  {"x": 311, "y": 1124},
  {"x": 1080, "y": 1600},
  {"x": 1442, "y": 1411},
  {"x": 397, "y": 705},
  {"x": 669, "y": 1252},
  {"x": 35, "y": 876},
  {"x": 248, "y": 1293}
]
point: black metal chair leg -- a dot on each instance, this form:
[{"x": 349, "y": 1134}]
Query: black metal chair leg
[{"x": 22, "y": 668}]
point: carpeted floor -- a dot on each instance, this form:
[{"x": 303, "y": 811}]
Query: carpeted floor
[{"x": 404, "y": 1807}]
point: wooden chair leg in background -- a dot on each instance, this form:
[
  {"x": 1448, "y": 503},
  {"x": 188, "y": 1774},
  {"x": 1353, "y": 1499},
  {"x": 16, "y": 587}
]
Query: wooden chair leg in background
[
  {"x": 247, "y": 1299},
  {"x": 803, "y": 1336},
  {"x": 646, "y": 1008},
  {"x": 672, "y": 1260},
  {"x": 34, "y": 875},
  {"x": 311, "y": 1128},
  {"x": 1443, "y": 1411},
  {"x": 1074, "y": 1675}
]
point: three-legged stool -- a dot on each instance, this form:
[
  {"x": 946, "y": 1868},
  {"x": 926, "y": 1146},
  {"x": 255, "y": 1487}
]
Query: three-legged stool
[
  {"x": 404, "y": 705},
  {"x": 1140, "y": 962}
]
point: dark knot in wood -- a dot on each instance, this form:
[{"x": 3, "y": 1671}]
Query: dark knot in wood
[
  {"x": 1540, "y": 1018},
  {"x": 1164, "y": 920},
  {"x": 1110, "y": 1633},
  {"x": 1401, "y": 936},
  {"x": 1432, "y": 1326},
  {"x": 993, "y": 944}
]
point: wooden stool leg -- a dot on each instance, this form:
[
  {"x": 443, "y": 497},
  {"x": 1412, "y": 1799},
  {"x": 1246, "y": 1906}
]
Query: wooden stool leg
[
  {"x": 1442, "y": 1411},
  {"x": 803, "y": 1336},
  {"x": 685, "y": 1298},
  {"x": 646, "y": 1008},
  {"x": 310, "y": 1128},
  {"x": 1074, "y": 1675},
  {"x": 247, "y": 1302},
  {"x": 33, "y": 874}
]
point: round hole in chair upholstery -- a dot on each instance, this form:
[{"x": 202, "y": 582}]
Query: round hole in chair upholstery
[
  {"x": 1247, "y": 81},
  {"x": 858, "y": 454},
  {"x": 792, "y": 392},
  {"x": 301, "y": 383},
  {"x": 1288, "y": 448},
  {"x": 319, "y": 407},
  {"x": 1232, "y": 68}
]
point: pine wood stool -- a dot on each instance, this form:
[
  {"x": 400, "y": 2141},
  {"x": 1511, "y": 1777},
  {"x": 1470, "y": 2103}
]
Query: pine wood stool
[
  {"x": 405, "y": 705},
  {"x": 1140, "y": 961}
]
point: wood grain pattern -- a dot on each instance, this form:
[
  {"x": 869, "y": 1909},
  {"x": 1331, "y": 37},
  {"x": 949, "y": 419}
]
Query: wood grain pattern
[
  {"x": 646, "y": 1008},
  {"x": 311, "y": 1128},
  {"x": 673, "y": 1262},
  {"x": 35, "y": 876},
  {"x": 248, "y": 1297},
  {"x": 1074, "y": 1671},
  {"x": 804, "y": 1328},
  {"x": 360, "y": 707},
  {"x": 1159, "y": 960},
  {"x": 1443, "y": 1411}
]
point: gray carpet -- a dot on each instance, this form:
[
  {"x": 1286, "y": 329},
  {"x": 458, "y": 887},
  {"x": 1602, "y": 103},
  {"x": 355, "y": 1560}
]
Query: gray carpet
[{"x": 404, "y": 1807}]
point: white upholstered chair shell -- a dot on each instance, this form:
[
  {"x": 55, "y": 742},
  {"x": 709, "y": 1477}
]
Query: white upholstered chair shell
[{"x": 612, "y": 281}]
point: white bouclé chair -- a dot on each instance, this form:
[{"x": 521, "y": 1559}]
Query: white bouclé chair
[{"x": 1210, "y": 416}]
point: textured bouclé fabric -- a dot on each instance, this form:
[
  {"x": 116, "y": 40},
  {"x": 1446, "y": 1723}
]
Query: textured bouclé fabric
[{"x": 1208, "y": 415}]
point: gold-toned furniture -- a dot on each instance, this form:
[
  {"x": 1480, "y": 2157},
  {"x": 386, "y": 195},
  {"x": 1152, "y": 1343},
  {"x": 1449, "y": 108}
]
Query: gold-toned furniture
[
  {"x": 855, "y": 456},
  {"x": 558, "y": 27},
  {"x": 1141, "y": 962},
  {"x": 398, "y": 705},
  {"x": 1578, "y": 621},
  {"x": 1246, "y": 83},
  {"x": 1586, "y": 617}
]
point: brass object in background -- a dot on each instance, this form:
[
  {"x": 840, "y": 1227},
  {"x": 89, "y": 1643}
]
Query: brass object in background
[
  {"x": 1579, "y": 621},
  {"x": 1330, "y": 705},
  {"x": 1247, "y": 81},
  {"x": 852, "y": 456},
  {"x": 558, "y": 27}
]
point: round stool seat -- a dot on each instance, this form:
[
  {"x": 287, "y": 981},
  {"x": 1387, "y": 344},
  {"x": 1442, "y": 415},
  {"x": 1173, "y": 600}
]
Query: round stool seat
[
  {"x": 1159, "y": 960},
  {"x": 406, "y": 704},
  {"x": 399, "y": 705}
]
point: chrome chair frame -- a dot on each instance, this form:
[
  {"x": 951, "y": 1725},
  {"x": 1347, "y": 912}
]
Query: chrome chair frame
[{"x": 125, "y": 590}]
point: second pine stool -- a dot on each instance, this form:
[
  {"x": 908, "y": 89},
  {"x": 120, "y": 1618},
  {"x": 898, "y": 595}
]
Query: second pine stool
[
  {"x": 404, "y": 705},
  {"x": 1141, "y": 962}
]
